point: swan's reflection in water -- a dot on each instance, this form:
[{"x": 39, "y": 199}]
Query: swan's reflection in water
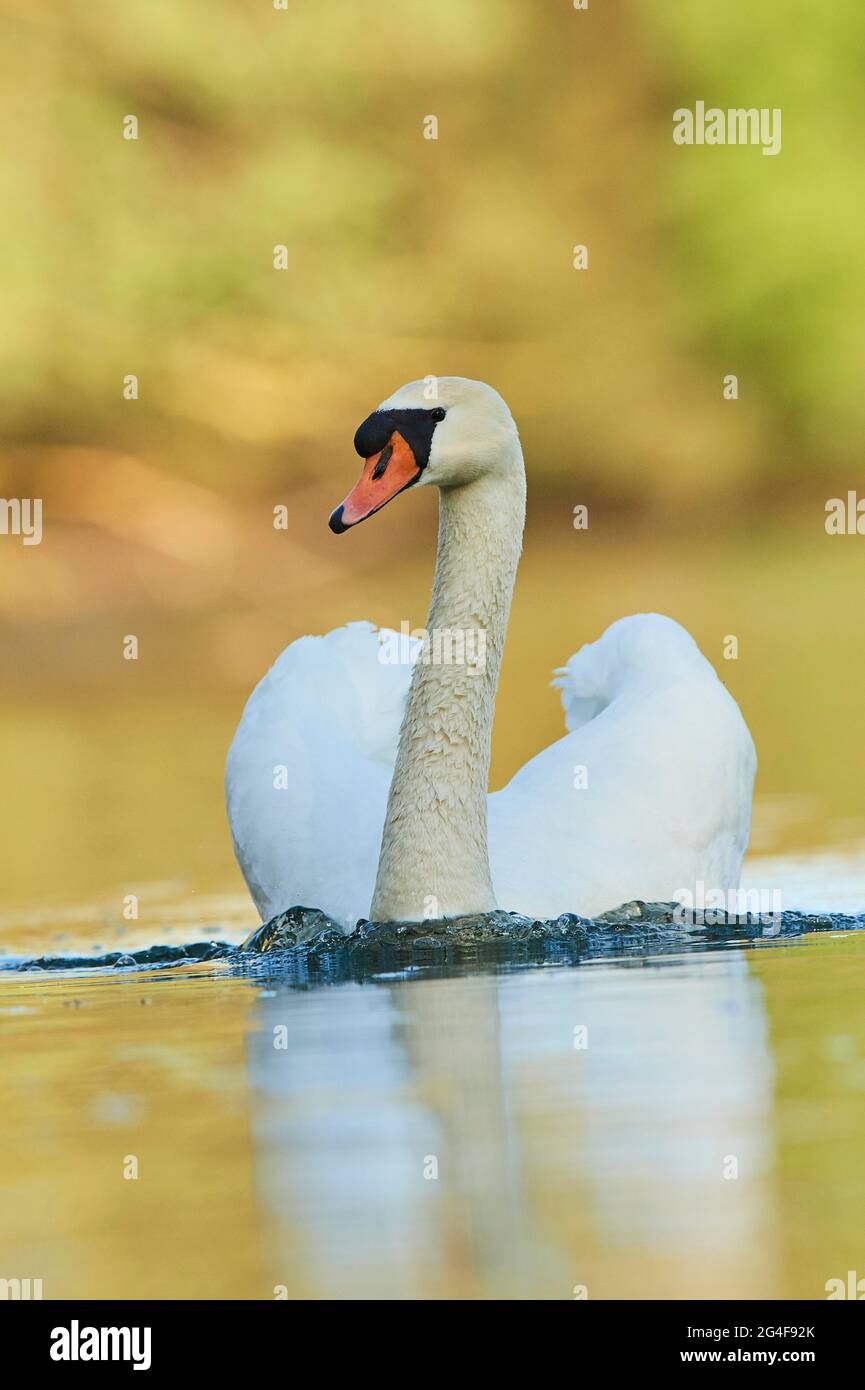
[{"x": 519, "y": 1135}]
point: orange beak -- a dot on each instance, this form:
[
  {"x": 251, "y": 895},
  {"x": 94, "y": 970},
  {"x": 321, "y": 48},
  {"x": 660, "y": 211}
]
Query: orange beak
[{"x": 384, "y": 475}]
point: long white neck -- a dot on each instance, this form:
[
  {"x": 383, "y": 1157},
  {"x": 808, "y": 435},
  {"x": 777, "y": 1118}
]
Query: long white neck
[{"x": 434, "y": 860}]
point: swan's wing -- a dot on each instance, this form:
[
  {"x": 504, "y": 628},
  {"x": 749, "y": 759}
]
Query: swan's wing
[
  {"x": 649, "y": 792},
  {"x": 309, "y": 769}
]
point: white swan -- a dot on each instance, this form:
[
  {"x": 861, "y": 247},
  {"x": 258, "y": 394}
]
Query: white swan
[{"x": 357, "y": 779}]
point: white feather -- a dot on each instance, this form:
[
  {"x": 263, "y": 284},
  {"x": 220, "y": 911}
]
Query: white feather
[{"x": 669, "y": 768}]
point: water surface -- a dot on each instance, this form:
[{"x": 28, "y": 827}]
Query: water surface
[{"x": 655, "y": 1121}]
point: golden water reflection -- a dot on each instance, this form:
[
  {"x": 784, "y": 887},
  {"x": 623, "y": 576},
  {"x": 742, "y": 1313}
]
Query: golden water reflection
[{"x": 440, "y": 1137}]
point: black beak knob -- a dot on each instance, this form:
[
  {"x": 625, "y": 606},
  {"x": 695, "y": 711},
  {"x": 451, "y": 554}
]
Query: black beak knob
[{"x": 373, "y": 434}]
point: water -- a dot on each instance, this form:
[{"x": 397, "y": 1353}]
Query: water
[{"x": 618, "y": 1107}]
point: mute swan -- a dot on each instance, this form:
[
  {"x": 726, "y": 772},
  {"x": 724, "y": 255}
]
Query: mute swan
[{"x": 357, "y": 779}]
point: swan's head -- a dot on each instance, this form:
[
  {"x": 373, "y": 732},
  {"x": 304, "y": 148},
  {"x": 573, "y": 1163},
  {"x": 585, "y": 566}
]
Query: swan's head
[{"x": 442, "y": 430}]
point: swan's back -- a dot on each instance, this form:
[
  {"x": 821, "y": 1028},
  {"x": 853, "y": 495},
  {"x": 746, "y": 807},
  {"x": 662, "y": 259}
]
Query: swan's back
[{"x": 649, "y": 792}]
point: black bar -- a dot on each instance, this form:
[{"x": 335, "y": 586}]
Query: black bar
[{"x": 202, "y": 1336}]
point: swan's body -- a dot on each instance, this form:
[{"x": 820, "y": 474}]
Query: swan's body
[{"x": 357, "y": 780}]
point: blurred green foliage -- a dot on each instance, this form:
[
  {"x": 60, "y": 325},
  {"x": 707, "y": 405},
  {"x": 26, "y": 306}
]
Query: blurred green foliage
[
  {"x": 768, "y": 251},
  {"x": 304, "y": 127}
]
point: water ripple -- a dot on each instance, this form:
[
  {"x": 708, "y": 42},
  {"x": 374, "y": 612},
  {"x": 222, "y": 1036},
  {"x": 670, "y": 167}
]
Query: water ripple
[{"x": 305, "y": 946}]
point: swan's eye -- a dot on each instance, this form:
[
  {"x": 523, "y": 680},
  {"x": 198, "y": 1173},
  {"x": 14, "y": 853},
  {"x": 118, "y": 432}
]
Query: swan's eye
[{"x": 438, "y": 413}]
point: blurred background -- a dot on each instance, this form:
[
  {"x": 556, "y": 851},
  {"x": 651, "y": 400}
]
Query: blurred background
[{"x": 304, "y": 128}]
